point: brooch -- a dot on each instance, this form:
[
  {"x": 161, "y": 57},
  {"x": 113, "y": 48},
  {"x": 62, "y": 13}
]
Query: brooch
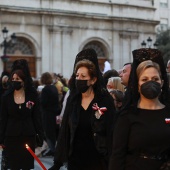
[
  {"x": 167, "y": 120},
  {"x": 29, "y": 104},
  {"x": 99, "y": 111}
]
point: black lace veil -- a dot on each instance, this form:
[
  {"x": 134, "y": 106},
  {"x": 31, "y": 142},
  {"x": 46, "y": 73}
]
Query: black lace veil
[
  {"x": 139, "y": 56},
  {"x": 91, "y": 55}
]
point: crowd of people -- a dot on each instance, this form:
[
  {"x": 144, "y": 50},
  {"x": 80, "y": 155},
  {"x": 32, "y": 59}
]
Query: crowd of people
[{"x": 116, "y": 120}]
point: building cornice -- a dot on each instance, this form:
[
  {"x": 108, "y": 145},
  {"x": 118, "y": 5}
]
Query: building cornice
[
  {"x": 119, "y": 4},
  {"x": 87, "y": 15}
]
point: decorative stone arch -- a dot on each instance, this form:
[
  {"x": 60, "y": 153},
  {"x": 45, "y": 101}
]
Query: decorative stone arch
[
  {"x": 101, "y": 48},
  {"x": 24, "y": 48},
  {"x": 32, "y": 41}
]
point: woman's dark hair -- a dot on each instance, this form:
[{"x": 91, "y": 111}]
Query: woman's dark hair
[
  {"x": 20, "y": 73},
  {"x": 46, "y": 78}
]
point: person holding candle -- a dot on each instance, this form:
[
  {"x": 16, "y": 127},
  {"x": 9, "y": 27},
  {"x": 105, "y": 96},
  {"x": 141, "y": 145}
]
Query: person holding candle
[
  {"x": 86, "y": 130},
  {"x": 141, "y": 139},
  {"x": 20, "y": 118}
]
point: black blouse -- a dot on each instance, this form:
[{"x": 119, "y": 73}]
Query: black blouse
[
  {"x": 84, "y": 148},
  {"x": 144, "y": 132},
  {"x": 19, "y": 119}
]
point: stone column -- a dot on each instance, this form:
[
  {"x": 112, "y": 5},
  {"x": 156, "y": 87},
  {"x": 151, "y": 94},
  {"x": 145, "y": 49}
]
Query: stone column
[
  {"x": 126, "y": 44},
  {"x": 66, "y": 58},
  {"x": 55, "y": 49}
]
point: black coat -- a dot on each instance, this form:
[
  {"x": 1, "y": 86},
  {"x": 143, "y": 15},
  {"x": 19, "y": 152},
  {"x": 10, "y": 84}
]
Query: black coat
[
  {"x": 49, "y": 99},
  {"x": 20, "y": 122},
  {"x": 101, "y": 128},
  {"x": 50, "y": 109}
]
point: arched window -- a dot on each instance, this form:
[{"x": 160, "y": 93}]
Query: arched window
[
  {"x": 21, "y": 47},
  {"x": 100, "y": 50},
  {"x": 98, "y": 47}
]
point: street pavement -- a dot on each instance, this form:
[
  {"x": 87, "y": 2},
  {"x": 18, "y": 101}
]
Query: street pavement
[{"x": 47, "y": 162}]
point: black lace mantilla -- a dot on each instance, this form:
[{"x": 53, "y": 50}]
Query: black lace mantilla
[{"x": 144, "y": 54}]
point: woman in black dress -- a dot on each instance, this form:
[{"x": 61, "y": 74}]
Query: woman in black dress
[
  {"x": 141, "y": 139},
  {"x": 20, "y": 118},
  {"x": 86, "y": 132}
]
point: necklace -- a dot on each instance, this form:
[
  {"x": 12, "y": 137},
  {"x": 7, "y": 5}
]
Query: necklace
[
  {"x": 19, "y": 106},
  {"x": 19, "y": 95}
]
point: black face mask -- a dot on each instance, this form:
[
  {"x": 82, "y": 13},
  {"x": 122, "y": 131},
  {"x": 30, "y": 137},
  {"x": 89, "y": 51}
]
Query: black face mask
[
  {"x": 82, "y": 86},
  {"x": 16, "y": 85},
  {"x": 151, "y": 89}
]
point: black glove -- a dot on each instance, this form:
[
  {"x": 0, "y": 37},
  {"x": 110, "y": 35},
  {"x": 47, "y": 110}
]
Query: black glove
[{"x": 39, "y": 140}]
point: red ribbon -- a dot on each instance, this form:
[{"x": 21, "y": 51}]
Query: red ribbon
[
  {"x": 29, "y": 104},
  {"x": 101, "y": 110},
  {"x": 167, "y": 120}
]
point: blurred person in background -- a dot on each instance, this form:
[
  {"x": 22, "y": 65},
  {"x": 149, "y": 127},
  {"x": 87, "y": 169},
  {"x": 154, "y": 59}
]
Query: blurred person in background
[
  {"x": 59, "y": 85},
  {"x": 36, "y": 83},
  {"x": 168, "y": 75},
  {"x": 64, "y": 81},
  {"x": 118, "y": 96},
  {"x": 107, "y": 66},
  {"x": 168, "y": 66},
  {"x": 108, "y": 74},
  {"x": 4, "y": 82},
  {"x": 50, "y": 109},
  {"x": 4, "y": 85},
  {"x": 115, "y": 83},
  {"x": 125, "y": 73}
]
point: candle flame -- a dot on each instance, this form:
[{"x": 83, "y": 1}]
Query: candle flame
[{"x": 26, "y": 146}]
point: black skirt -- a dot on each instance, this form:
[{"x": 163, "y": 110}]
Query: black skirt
[{"x": 18, "y": 157}]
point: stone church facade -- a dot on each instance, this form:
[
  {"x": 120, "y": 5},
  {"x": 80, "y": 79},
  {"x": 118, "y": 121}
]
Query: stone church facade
[{"x": 51, "y": 32}]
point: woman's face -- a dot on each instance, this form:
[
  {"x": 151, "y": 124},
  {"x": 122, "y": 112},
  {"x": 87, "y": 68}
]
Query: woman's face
[
  {"x": 110, "y": 86},
  {"x": 83, "y": 74},
  {"x": 149, "y": 74},
  {"x": 15, "y": 77}
]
